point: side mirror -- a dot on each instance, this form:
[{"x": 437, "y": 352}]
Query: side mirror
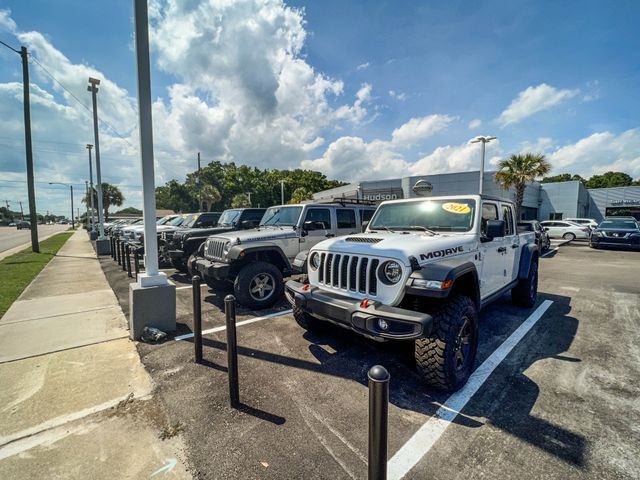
[
  {"x": 546, "y": 229},
  {"x": 365, "y": 224},
  {"x": 309, "y": 225},
  {"x": 495, "y": 229}
]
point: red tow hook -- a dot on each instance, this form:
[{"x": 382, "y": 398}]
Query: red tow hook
[
  {"x": 364, "y": 303},
  {"x": 306, "y": 287}
]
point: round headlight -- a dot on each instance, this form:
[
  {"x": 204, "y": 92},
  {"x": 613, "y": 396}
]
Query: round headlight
[
  {"x": 392, "y": 271},
  {"x": 314, "y": 261}
]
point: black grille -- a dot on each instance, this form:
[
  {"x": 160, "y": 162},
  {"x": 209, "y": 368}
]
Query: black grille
[
  {"x": 349, "y": 272},
  {"x": 363, "y": 239}
]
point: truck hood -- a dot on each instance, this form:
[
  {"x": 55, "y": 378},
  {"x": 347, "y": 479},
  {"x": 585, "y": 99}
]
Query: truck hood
[
  {"x": 400, "y": 246},
  {"x": 258, "y": 234},
  {"x": 206, "y": 231}
]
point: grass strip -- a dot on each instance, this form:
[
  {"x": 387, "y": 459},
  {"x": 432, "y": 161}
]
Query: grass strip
[{"x": 18, "y": 270}]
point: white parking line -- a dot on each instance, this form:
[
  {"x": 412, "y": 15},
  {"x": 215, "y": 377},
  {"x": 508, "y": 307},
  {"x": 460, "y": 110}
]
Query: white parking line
[
  {"x": 422, "y": 441},
  {"x": 190, "y": 286},
  {"x": 238, "y": 324},
  {"x": 556, "y": 248}
]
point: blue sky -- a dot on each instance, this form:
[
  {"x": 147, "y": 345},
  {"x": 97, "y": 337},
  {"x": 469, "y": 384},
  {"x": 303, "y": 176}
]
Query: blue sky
[{"x": 354, "y": 89}]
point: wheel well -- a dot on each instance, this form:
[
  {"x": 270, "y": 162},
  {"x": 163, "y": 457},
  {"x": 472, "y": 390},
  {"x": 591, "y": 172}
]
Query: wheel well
[
  {"x": 268, "y": 256},
  {"x": 467, "y": 284}
]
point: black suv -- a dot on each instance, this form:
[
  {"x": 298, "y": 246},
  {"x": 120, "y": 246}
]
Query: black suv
[
  {"x": 185, "y": 242},
  {"x": 542, "y": 237},
  {"x": 616, "y": 232}
]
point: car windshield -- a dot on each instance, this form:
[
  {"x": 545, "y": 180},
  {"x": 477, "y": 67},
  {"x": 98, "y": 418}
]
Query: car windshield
[
  {"x": 287, "y": 216},
  {"x": 618, "y": 223},
  {"x": 164, "y": 220},
  {"x": 229, "y": 217},
  {"x": 190, "y": 220},
  {"x": 448, "y": 215}
]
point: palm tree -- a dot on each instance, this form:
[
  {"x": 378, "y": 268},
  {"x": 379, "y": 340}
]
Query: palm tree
[
  {"x": 241, "y": 200},
  {"x": 210, "y": 195},
  {"x": 520, "y": 169},
  {"x": 111, "y": 195}
]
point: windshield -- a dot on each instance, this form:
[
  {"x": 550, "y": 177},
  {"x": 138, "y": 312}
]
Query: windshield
[
  {"x": 190, "y": 220},
  {"x": 229, "y": 217},
  {"x": 177, "y": 221},
  {"x": 164, "y": 220},
  {"x": 450, "y": 215},
  {"x": 281, "y": 216},
  {"x": 618, "y": 223}
]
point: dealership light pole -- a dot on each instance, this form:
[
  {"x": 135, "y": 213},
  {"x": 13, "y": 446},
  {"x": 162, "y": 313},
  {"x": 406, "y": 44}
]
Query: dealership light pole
[
  {"x": 31, "y": 189},
  {"x": 86, "y": 196},
  {"x": 484, "y": 140},
  {"x": 153, "y": 297},
  {"x": 73, "y": 224},
  {"x": 93, "y": 233},
  {"x": 282, "y": 192},
  {"x": 103, "y": 246}
]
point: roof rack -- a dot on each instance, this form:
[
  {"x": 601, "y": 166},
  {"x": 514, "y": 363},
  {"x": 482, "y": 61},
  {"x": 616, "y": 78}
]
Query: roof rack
[{"x": 347, "y": 201}]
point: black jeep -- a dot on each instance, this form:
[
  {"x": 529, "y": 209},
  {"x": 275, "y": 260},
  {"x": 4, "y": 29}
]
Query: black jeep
[{"x": 183, "y": 246}]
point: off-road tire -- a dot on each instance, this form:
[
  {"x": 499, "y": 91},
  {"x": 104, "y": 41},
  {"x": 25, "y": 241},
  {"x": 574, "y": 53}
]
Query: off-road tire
[
  {"x": 436, "y": 354},
  {"x": 569, "y": 236},
  {"x": 179, "y": 265},
  {"x": 245, "y": 277},
  {"x": 593, "y": 245},
  {"x": 306, "y": 321},
  {"x": 525, "y": 293},
  {"x": 191, "y": 271}
]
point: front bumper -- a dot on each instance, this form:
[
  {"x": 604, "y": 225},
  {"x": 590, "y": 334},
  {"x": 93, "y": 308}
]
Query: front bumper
[
  {"x": 615, "y": 242},
  {"x": 349, "y": 313},
  {"x": 215, "y": 270},
  {"x": 175, "y": 254}
]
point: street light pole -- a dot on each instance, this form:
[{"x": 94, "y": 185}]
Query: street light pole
[
  {"x": 484, "y": 140},
  {"x": 93, "y": 220},
  {"x": 281, "y": 192},
  {"x": 86, "y": 191},
  {"x": 103, "y": 246},
  {"x": 73, "y": 225}
]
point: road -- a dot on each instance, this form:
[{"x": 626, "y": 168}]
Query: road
[{"x": 11, "y": 237}]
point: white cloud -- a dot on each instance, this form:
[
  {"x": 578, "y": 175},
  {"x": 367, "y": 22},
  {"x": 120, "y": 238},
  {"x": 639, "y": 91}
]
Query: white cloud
[
  {"x": 600, "y": 152},
  {"x": 475, "y": 123},
  {"x": 398, "y": 95},
  {"x": 363, "y": 66},
  {"x": 457, "y": 158},
  {"x": 541, "y": 145},
  {"x": 6, "y": 22},
  {"x": 533, "y": 100},
  {"x": 417, "y": 129}
]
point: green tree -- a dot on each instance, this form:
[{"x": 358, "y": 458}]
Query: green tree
[
  {"x": 210, "y": 195},
  {"x": 520, "y": 169},
  {"x": 111, "y": 196},
  {"x": 301, "y": 194},
  {"x": 129, "y": 211},
  {"x": 241, "y": 200},
  {"x": 177, "y": 197},
  {"x": 563, "y": 177},
  {"x": 609, "y": 179}
]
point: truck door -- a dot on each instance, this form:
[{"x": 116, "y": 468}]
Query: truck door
[
  {"x": 512, "y": 243},
  {"x": 492, "y": 275},
  {"x": 321, "y": 227}
]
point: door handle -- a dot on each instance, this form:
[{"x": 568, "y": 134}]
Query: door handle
[
  {"x": 502, "y": 249},
  {"x": 515, "y": 245}
]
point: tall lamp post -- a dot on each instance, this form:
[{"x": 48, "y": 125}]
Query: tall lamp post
[
  {"x": 93, "y": 233},
  {"x": 73, "y": 225},
  {"x": 484, "y": 140},
  {"x": 86, "y": 191},
  {"x": 103, "y": 246},
  {"x": 31, "y": 189}
]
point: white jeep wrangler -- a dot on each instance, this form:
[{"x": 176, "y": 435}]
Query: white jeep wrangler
[{"x": 421, "y": 271}]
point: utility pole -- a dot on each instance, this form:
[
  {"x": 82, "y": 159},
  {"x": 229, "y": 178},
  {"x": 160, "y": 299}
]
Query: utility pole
[
  {"x": 73, "y": 224},
  {"x": 93, "y": 220},
  {"x": 21, "y": 211},
  {"x": 33, "y": 216},
  {"x": 103, "y": 246},
  {"x": 199, "y": 185},
  {"x": 86, "y": 192},
  {"x": 281, "y": 192}
]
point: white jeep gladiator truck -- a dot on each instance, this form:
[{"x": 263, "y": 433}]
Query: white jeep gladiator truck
[{"x": 421, "y": 271}]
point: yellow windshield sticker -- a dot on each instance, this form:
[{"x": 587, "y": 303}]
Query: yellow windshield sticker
[{"x": 460, "y": 208}]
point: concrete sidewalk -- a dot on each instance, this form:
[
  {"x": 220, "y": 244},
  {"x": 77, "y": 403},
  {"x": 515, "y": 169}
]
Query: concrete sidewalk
[{"x": 76, "y": 401}]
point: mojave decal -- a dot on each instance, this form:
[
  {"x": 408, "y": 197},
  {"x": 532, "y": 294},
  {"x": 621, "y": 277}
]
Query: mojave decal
[{"x": 441, "y": 253}]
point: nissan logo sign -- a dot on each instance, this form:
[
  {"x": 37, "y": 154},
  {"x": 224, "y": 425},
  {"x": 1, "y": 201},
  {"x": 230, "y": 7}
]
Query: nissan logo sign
[{"x": 422, "y": 188}]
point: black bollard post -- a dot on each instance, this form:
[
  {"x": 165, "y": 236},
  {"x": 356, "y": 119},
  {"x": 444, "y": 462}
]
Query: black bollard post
[
  {"x": 232, "y": 350},
  {"x": 129, "y": 261},
  {"x": 197, "y": 318},
  {"x": 118, "y": 250},
  {"x": 112, "y": 244},
  {"x": 136, "y": 262},
  {"x": 123, "y": 254},
  {"x": 378, "y": 413}
]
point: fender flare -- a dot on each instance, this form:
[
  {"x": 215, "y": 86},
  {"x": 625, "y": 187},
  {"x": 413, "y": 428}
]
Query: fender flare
[
  {"x": 527, "y": 256},
  {"x": 238, "y": 251},
  {"x": 441, "y": 273}
]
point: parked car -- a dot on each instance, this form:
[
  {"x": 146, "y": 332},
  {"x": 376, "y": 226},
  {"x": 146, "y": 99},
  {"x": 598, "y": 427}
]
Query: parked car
[
  {"x": 542, "y": 237},
  {"x": 566, "y": 230},
  {"x": 421, "y": 272},
  {"x": 587, "y": 222},
  {"x": 128, "y": 232},
  {"x": 616, "y": 232},
  {"x": 12, "y": 224},
  {"x": 23, "y": 224},
  {"x": 182, "y": 247},
  {"x": 255, "y": 261}
]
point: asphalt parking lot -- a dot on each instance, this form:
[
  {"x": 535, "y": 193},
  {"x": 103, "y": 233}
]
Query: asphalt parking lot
[{"x": 563, "y": 403}]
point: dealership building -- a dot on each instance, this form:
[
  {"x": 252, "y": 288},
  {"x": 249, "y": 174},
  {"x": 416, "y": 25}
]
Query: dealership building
[{"x": 542, "y": 201}]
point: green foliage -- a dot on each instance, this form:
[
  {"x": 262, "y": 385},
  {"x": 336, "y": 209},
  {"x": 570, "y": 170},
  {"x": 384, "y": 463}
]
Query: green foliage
[
  {"x": 17, "y": 271},
  {"x": 301, "y": 194},
  {"x": 563, "y": 177},
  {"x": 520, "y": 169},
  {"x": 210, "y": 195},
  {"x": 230, "y": 180},
  {"x": 111, "y": 196},
  {"x": 241, "y": 200},
  {"x": 128, "y": 211},
  {"x": 609, "y": 179}
]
